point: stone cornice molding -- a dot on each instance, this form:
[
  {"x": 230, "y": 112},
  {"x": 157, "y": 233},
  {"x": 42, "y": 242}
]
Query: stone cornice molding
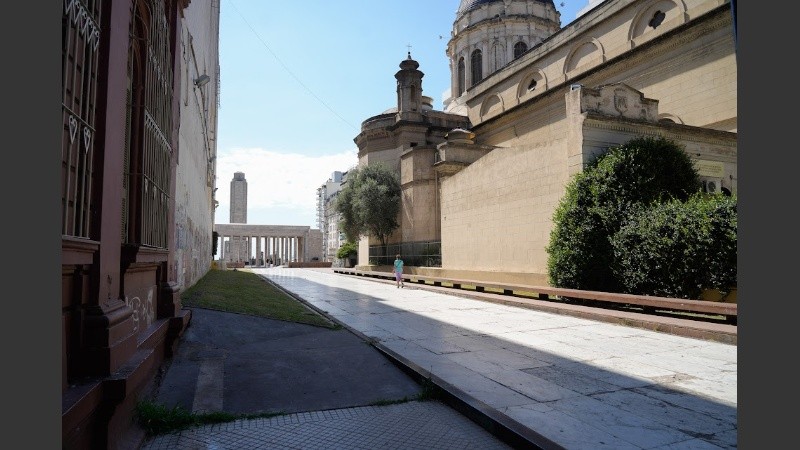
[{"x": 676, "y": 132}]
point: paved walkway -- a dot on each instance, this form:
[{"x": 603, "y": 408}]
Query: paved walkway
[
  {"x": 552, "y": 380},
  {"x": 411, "y": 426}
]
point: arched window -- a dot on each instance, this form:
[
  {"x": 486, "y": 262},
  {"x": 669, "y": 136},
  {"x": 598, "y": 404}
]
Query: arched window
[
  {"x": 462, "y": 76},
  {"x": 520, "y": 48},
  {"x": 477, "y": 66}
]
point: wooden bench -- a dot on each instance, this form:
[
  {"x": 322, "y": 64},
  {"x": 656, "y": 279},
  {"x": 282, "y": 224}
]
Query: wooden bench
[{"x": 729, "y": 310}]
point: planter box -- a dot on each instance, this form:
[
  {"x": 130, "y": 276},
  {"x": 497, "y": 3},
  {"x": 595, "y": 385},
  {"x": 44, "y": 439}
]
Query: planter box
[{"x": 714, "y": 295}]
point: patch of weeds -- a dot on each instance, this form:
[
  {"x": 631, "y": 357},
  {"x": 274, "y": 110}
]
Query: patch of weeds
[
  {"x": 384, "y": 402},
  {"x": 430, "y": 391},
  {"x": 158, "y": 419}
]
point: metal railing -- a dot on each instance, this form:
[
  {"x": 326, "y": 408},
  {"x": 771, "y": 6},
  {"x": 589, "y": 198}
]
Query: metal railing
[{"x": 419, "y": 254}]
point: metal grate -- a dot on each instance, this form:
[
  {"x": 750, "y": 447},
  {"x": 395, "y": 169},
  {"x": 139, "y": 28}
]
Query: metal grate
[
  {"x": 79, "y": 54},
  {"x": 421, "y": 254},
  {"x": 150, "y": 158}
]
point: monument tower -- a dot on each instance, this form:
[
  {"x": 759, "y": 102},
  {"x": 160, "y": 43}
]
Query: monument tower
[
  {"x": 238, "y": 198},
  {"x": 237, "y": 248}
]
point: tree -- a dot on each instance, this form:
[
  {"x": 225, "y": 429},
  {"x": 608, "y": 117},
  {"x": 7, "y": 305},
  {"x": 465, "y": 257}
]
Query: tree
[{"x": 369, "y": 203}]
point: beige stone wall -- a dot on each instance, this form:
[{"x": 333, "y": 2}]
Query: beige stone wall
[
  {"x": 419, "y": 218},
  {"x": 690, "y": 69},
  {"x": 314, "y": 243},
  {"x": 497, "y": 213}
]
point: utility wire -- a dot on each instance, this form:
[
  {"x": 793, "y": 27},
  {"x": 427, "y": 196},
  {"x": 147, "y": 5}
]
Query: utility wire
[{"x": 288, "y": 70}]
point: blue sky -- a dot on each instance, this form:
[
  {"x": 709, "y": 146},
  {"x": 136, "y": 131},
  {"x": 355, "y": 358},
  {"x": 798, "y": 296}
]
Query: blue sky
[{"x": 297, "y": 78}]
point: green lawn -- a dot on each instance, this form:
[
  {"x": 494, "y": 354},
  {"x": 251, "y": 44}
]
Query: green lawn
[{"x": 244, "y": 292}]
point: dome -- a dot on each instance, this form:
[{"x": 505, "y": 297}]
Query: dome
[{"x": 469, "y": 5}]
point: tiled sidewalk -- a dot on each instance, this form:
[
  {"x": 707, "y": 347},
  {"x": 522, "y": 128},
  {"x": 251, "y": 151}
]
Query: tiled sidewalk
[{"x": 413, "y": 425}]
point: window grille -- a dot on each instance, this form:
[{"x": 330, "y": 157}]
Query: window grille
[
  {"x": 150, "y": 151},
  {"x": 80, "y": 39}
]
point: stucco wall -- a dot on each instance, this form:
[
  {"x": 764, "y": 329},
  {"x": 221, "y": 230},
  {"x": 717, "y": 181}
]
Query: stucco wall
[{"x": 194, "y": 182}]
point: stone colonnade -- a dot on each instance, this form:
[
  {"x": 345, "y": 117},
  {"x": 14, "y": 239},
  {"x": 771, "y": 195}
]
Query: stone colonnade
[{"x": 263, "y": 245}]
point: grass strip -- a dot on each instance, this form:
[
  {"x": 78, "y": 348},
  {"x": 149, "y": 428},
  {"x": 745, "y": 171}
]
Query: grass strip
[{"x": 244, "y": 292}]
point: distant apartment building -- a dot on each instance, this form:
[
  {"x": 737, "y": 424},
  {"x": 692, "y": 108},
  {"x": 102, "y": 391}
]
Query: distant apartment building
[{"x": 328, "y": 217}]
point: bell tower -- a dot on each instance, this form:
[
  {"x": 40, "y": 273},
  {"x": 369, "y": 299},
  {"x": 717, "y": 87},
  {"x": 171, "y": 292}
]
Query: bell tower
[{"x": 409, "y": 87}]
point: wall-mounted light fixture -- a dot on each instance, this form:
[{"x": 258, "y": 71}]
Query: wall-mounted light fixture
[{"x": 202, "y": 80}]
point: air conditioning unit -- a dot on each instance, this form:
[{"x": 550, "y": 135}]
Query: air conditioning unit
[{"x": 712, "y": 186}]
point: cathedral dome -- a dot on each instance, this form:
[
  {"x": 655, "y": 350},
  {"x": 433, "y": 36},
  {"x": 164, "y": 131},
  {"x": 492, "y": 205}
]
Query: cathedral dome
[{"x": 469, "y": 5}]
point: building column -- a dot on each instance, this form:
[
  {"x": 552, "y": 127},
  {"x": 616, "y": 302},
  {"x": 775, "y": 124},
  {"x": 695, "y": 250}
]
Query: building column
[
  {"x": 272, "y": 248},
  {"x": 301, "y": 249}
]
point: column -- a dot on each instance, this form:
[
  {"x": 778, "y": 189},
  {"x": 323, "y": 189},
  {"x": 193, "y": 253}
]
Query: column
[
  {"x": 258, "y": 251},
  {"x": 301, "y": 249}
]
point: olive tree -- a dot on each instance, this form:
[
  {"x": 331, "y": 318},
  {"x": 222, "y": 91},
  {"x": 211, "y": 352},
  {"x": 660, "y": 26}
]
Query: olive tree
[{"x": 369, "y": 203}]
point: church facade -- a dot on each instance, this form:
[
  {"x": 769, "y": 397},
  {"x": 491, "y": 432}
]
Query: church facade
[{"x": 531, "y": 104}]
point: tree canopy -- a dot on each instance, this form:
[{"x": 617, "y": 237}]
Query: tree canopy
[{"x": 369, "y": 203}]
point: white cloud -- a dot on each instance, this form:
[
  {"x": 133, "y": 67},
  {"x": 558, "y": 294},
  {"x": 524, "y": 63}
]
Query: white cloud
[{"x": 281, "y": 187}]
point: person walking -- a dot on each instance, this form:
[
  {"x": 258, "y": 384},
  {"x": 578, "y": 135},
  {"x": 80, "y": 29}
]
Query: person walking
[{"x": 398, "y": 271}]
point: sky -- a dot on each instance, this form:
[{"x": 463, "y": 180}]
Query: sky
[{"x": 297, "y": 78}]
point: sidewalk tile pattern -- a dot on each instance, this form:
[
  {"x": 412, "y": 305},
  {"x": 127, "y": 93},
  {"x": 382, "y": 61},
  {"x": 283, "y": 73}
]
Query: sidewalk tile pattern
[{"x": 413, "y": 425}]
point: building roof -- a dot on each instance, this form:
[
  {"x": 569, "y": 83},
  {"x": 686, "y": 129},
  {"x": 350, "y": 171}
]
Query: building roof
[{"x": 469, "y": 5}]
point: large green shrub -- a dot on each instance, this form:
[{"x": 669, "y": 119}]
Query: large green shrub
[
  {"x": 598, "y": 200},
  {"x": 677, "y": 249},
  {"x": 347, "y": 250}
]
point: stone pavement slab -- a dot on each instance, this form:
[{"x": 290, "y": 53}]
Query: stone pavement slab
[{"x": 562, "y": 381}]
